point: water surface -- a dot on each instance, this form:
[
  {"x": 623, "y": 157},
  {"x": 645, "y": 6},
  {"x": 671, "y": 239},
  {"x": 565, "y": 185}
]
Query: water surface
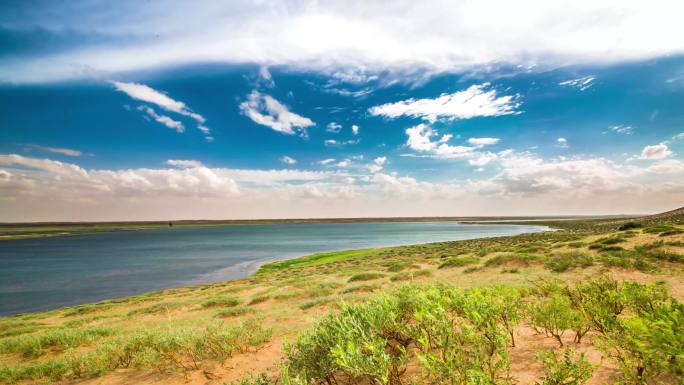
[{"x": 47, "y": 273}]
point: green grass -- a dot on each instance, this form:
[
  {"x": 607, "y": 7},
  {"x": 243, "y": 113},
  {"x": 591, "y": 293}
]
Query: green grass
[{"x": 315, "y": 260}]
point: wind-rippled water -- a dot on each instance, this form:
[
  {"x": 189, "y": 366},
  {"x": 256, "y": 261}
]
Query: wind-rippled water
[{"x": 47, "y": 273}]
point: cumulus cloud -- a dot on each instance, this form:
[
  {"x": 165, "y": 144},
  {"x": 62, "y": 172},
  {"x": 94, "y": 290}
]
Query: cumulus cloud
[
  {"x": 355, "y": 129},
  {"x": 476, "y": 100},
  {"x": 45, "y": 189},
  {"x": 583, "y": 83},
  {"x": 267, "y": 111},
  {"x": 656, "y": 151},
  {"x": 148, "y": 94},
  {"x": 55, "y": 150},
  {"x": 669, "y": 166},
  {"x": 288, "y": 160},
  {"x": 420, "y": 139}
]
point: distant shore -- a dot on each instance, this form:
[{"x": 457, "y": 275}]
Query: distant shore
[{"x": 25, "y": 230}]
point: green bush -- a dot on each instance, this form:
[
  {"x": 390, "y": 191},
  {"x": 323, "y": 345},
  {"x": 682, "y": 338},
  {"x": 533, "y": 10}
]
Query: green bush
[
  {"x": 511, "y": 258},
  {"x": 455, "y": 336},
  {"x": 554, "y": 316},
  {"x": 569, "y": 369}
]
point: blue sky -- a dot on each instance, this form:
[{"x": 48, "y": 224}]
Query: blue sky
[{"x": 127, "y": 111}]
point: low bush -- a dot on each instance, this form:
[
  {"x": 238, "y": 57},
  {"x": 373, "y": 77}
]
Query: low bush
[
  {"x": 511, "y": 258},
  {"x": 365, "y": 276}
]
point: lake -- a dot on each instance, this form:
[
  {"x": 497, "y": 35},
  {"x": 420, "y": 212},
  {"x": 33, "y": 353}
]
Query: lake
[{"x": 47, "y": 273}]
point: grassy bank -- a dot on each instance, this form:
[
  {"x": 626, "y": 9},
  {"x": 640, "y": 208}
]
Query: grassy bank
[{"x": 486, "y": 311}]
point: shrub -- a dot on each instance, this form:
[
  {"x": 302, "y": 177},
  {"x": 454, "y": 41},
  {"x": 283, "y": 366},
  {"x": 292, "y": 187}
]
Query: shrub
[
  {"x": 459, "y": 261},
  {"x": 225, "y": 301},
  {"x": 629, "y": 226},
  {"x": 452, "y": 335},
  {"x": 569, "y": 369},
  {"x": 365, "y": 276},
  {"x": 554, "y": 315}
]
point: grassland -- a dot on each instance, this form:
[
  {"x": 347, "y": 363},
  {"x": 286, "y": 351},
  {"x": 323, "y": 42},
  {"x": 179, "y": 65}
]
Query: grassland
[{"x": 596, "y": 302}]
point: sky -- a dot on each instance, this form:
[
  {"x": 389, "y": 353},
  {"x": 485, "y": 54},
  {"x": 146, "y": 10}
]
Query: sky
[{"x": 171, "y": 110}]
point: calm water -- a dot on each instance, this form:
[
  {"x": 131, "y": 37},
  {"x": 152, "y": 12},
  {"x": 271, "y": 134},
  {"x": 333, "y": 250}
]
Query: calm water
[{"x": 46, "y": 273}]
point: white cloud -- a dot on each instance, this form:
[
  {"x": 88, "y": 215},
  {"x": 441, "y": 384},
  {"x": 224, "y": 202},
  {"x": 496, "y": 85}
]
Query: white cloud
[
  {"x": 669, "y": 166},
  {"x": 481, "y": 142},
  {"x": 482, "y": 159},
  {"x": 266, "y": 111},
  {"x": 622, "y": 129},
  {"x": 56, "y": 150},
  {"x": 472, "y": 102},
  {"x": 380, "y": 161},
  {"x": 163, "y": 119},
  {"x": 333, "y": 127},
  {"x": 562, "y": 143},
  {"x": 180, "y": 163},
  {"x": 656, "y": 151},
  {"x": 445, "y": 36},
  {"x": 265, "y": 77},
  {"x": 148, "y": 94},
  {"x": 326, "y": 162},
  {"x": 355, "y": 129},
  {"x": 679, "y": 136},
  {"x": 288, "y": 160},
  {"x": 420, "y": 139},
  {"x": 333, "y": 142},
  {"x": 583, "y": 83},
  {"x": 44, "y": 189}
]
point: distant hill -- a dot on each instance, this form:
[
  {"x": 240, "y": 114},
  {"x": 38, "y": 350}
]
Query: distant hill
[{"x": 672, "y": 216}]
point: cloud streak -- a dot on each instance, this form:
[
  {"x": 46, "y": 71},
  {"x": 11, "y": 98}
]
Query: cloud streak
[{"x": 475, "y": 101}]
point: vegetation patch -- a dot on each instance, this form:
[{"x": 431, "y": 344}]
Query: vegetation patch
[
  {"x": 366, "y": 276},
  {"x": 521, "y": 259},
  {"x": 409, "y": 275},
  {"x": 458, "y": 262},
  {"x": 223, "y": 301},
  {"x": 361, "y": 288},
  {"x": 567, "y": 261}
]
